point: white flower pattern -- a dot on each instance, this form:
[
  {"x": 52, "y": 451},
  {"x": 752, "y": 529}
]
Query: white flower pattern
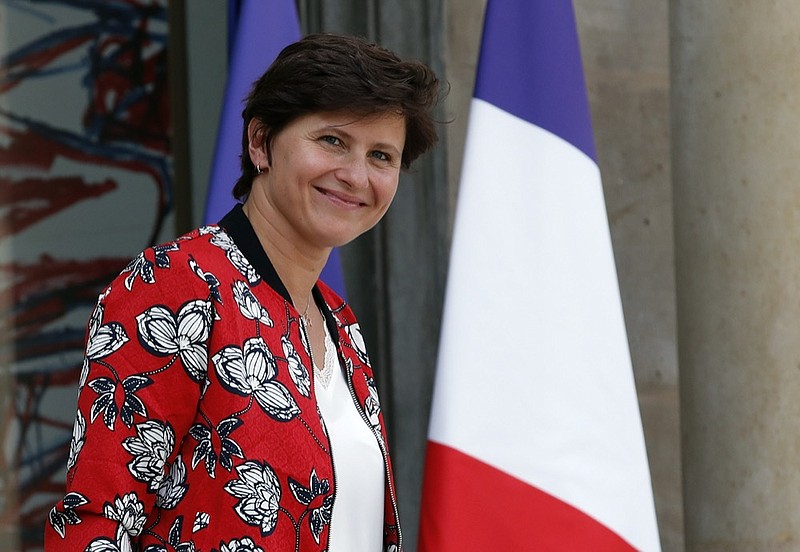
[
  {"x": 201, "y": 521},
  {"x": 259, "y": 492},
  {"x": 372, "y": 406},
  {"x": 249, "y": 305},
  {"x": 184, "y": 334},
  {"x": 128, "y": 511},
  {"x": 241, "y": 263},
  {"x": 78, "y": 439},
  {"x": 245, "y": 544},
  {"x": 103, "y": 339},
  {"x": 150, "y": 448},
  {"x": 297, "y": 370},
  {"x": 252, "y": 371},
  {"x": 173, "y": 485},
  {"x": 219, "y": 237},
  {"x": 104, "y": 544},
  {"x": 354, "y": 333}
]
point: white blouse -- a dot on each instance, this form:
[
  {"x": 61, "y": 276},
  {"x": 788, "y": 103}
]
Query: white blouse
[{"x": 357, "y": 522}]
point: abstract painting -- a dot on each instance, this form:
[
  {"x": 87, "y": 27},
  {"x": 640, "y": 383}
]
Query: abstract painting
[{"x": 85, "y": 184}]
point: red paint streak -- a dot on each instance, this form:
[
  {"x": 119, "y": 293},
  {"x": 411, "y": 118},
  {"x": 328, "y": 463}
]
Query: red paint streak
[
  {"x": 148, "y": 117},
  {"x": 27, "y": 150},
  {"x": 49, "y": 287},
  {"x": 32, "y": 200}
]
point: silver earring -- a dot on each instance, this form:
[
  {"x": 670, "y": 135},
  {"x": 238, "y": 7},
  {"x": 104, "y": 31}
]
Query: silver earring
[{"x": 258, "y": 168}]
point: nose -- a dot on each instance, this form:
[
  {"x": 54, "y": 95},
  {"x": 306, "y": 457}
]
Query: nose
[{"x": 353, "y": 171}]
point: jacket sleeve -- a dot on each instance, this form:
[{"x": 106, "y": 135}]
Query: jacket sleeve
[{"x": 143, "y": 374}]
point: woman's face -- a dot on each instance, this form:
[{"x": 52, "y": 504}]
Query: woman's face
[{"x": 332, "y": 176}]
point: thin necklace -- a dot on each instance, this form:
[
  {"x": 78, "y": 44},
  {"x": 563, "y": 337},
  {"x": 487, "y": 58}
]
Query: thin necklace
[
  {"x": 324, "y": 373},
  {"x": 304, "y": 317}
]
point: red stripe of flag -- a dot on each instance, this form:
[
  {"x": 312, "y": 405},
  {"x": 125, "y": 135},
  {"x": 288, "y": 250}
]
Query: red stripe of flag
[{"x": 470, "y": 505}]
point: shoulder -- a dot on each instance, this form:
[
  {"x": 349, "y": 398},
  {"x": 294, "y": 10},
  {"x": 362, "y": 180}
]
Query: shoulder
[
  {"x": 349, "y": 328},
  {"x": 339, "y": 307},
  {"x": 184, "y": 267}
]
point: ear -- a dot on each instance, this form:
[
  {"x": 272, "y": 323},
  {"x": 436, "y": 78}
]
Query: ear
[{"x": 256, "y": 133}]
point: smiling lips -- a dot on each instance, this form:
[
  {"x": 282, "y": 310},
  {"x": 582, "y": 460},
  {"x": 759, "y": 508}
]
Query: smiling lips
[{"x": 340, "y": 198}]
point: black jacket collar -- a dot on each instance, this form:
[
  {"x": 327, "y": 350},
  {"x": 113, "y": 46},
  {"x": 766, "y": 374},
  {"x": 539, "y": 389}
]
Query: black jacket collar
[{"x": 238, "y": 227}]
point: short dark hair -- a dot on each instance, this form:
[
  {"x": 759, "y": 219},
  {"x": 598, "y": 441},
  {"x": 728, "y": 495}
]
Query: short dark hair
[{"x": 330, "y": 72}]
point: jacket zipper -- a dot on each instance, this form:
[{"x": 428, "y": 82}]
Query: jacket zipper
[{"x": 384, "y": 454}]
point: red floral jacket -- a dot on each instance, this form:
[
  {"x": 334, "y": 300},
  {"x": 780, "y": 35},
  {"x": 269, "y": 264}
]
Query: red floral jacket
[{"x": 197, "y": 425}]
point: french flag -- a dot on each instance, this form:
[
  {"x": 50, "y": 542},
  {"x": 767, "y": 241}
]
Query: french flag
[
  {"x": 258, "y": 30},
  {"x": 535, "y": 439}
]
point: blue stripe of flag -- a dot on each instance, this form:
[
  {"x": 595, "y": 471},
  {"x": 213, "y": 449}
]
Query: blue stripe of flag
[{"x": 530, "y": 66}]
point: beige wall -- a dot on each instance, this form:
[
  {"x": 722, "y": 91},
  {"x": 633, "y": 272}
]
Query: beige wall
[
  {"x": 736, "y": 161},
  {"x": 625, "y": 45}
]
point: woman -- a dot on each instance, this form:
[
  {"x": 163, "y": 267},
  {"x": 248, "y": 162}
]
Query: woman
[{"x": 226, "y": 400}]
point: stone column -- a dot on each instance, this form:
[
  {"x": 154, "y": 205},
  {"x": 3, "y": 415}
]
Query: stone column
[{"x": 736, "y": 174}]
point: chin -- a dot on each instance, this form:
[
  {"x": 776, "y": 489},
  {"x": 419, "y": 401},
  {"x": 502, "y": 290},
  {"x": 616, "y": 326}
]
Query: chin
[
  {"x": 343, "y": 237},
  {"x": 339, "y": 242}
]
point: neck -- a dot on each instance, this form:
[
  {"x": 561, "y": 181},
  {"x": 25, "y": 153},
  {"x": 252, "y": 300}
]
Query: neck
[{"x": 297, "y": 267}]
